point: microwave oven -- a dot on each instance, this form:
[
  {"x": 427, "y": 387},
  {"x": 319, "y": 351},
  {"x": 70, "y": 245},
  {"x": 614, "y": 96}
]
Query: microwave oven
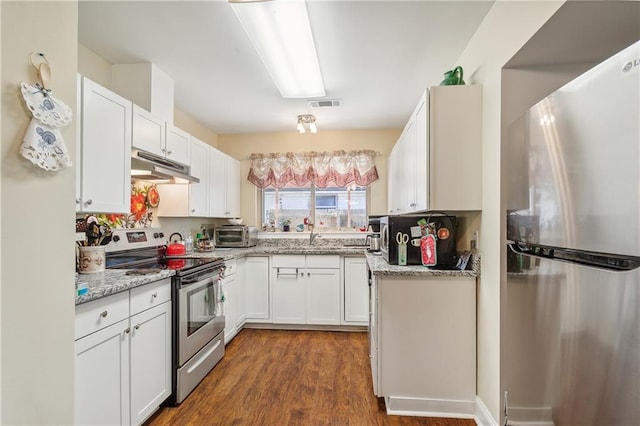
[
  {"x": 445, "y": 230},
  {"x": 235, "y": 236}
]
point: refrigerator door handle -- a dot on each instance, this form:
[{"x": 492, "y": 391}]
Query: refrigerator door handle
[{"x": 607, "y": 261}]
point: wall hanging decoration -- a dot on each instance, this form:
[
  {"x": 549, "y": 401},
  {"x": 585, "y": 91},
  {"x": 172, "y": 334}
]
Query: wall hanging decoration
[{"x": 42, "y": 143}]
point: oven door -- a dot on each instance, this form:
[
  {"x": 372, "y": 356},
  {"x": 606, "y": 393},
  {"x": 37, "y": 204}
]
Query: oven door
[{"x": 200, "y": 314}]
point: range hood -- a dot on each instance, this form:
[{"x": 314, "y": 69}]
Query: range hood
[{"x": 147, "y": 166}]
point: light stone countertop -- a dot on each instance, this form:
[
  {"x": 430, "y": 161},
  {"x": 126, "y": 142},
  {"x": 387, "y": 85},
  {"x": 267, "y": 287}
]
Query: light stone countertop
[{"x": 114, "y": 281}]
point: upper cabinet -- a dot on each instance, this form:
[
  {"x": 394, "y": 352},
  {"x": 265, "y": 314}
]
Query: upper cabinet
[
  {"x": 178, "y": 143},
  {"x": 154, "y": 135},
  {"x": 224, "y": 178},
  {"x": 104, "y": 153},
  {"x": 216, "y": 195},
  {"x": 436, "y": 162}
]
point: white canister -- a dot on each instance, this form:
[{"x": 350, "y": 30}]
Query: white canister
[{"x": 92, "y": 259}]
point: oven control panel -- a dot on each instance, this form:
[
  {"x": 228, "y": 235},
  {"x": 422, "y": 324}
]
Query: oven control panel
[{"x": 136, "y": 238}]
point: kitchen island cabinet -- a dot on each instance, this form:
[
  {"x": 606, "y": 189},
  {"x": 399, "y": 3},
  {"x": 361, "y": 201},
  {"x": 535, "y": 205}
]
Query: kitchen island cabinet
[
  {"x": 423, "y": 344},
  {"x": 103, "y": 172}
]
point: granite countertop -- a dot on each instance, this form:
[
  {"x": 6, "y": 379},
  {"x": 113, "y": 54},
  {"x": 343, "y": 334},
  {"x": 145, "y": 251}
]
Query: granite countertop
[
  {"x": 379, "y": 266},
  {"x": 114, "y": 281}
]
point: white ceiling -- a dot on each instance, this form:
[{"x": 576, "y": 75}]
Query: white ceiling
[{"x": 376, "y": 56}]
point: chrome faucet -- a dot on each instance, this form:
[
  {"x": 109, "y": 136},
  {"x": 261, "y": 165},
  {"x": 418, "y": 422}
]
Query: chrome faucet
[{"x": 312, "y": 235}]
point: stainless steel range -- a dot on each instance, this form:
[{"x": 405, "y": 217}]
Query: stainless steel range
[{"x": 197, "y": 300}]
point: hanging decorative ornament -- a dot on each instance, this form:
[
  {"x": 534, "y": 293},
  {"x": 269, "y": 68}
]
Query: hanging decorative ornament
[{"x": 43, "y": 144}]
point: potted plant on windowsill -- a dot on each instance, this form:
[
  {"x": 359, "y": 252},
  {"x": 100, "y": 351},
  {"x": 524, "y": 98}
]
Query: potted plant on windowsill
[{"x": 286, "y": 225}]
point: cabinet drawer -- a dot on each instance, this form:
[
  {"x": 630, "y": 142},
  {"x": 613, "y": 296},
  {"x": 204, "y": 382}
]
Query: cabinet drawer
[
  {"x": 288, "y": 261},
  {"x": 323, "y": 261},
  {"x": 150, "y": 295},
  {"x": 96, "y": 315},
  {"x": 231, "y": 267}
]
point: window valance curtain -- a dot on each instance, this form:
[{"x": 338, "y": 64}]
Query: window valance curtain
[{"x": 337, "y": 168}]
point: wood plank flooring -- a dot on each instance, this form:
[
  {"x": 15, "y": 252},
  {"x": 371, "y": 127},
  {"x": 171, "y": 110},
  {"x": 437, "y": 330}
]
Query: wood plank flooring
[{"x": 279, "y": 377}]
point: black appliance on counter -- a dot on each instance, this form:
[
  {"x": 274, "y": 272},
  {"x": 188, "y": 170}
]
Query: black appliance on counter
[
  {"x": 445, "y": 231},
  {"x": 374, "y": 223}
]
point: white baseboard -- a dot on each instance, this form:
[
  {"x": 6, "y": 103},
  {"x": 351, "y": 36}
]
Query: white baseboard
[
  {"x": 483, "y": 416},
  {"x": 530, "y": 416},
  {"x": 424, "y": 407}
]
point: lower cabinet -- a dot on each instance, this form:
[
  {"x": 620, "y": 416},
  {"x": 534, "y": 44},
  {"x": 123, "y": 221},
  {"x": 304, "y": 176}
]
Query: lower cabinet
[
  {"x": 356, "y": 291},
  {"x": 423, "y": 343},
  {"x": 123, "y": 356},
  {"x": 255, "y": 277},
  {"x": 231, "y": 299},
  {"x": 306, "y": 289}
]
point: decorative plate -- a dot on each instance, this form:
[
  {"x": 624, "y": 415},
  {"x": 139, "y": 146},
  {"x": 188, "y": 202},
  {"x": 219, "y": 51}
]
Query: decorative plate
[
  {"x": 153, "y": 196},
  {"x": 44, "y": 106}
]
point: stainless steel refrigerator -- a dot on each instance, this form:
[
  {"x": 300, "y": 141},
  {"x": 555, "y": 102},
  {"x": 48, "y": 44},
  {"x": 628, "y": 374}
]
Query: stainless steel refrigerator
[{"x": 572, "y": 176}]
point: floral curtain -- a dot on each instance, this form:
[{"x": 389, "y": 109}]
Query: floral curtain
[{"x": 337, "y": 168}]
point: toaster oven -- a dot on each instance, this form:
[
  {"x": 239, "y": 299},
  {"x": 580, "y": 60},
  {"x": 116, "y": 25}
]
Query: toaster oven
[{"x": 235, "y": 236}]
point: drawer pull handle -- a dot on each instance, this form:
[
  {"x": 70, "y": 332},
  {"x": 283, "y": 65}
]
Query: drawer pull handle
[
  {"x": 154, "y": 295},
  {"x": 137, "y": 326},
  {"x": 104, "y": 314},
  {"x": 127, "y": 330}
]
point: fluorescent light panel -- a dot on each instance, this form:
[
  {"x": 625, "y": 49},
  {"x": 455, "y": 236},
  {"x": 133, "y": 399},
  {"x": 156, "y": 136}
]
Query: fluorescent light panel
[{"x": 281, "y": 34}]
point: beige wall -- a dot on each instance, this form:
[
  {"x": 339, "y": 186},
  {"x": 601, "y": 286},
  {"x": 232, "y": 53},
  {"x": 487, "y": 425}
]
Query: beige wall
[
  {"x": 37, "y": 237},
  {"x": 241, "y": 145},
  {"x": 504, "y": 31}
]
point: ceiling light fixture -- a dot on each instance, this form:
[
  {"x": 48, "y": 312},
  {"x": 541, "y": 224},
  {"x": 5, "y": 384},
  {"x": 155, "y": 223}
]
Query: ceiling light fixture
[
  {"x": 307, "y": 121},
  {"x": 281, "y": 34}
]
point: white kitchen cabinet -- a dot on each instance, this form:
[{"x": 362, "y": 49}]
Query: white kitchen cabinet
[
  {"x": 178, "y": 145},
  {"x": 306, "y": 289},
  {"x": 148, "y": 132},
  {"x": 437, "y": 164},
  {"x": 224, "y": 178},
  {"x": 356, "y": 291},
  {"x": 123, "y": 355},
  {"x": 102, "y": 376},
  {"x": 242, "y": 295},
  {"x": 231, "y": 296},
  {"x": 153, "y": 134},
  {"x": 199, "y": 191},
  {"x": 423, "y": 343},
  {"x": 256, "y": 286},
  {"x": 323, "y": 296},
  {"x": 104, "y": 170}
]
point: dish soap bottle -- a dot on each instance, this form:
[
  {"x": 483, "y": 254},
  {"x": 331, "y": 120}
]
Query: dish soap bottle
[{"x": 188, "y": 243}]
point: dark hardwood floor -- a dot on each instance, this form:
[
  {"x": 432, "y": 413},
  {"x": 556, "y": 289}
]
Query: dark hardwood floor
[{"x": 277, "y": 377}]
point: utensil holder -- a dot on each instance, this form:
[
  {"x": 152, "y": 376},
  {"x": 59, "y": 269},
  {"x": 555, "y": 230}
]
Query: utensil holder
[{"x": 92, "y": 259}]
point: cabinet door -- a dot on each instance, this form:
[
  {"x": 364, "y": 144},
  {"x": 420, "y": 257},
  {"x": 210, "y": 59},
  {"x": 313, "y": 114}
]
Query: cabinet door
[
  {"x": 150, "y": 360},
  {"x": 408, "y": 167},
  {"x": 217, "y": 185},
  {"x": 422, "y": 154},
  {"x": 241, "y": 293},
  {"x": 178, "y": 144},
  {"x": 198, "y": 192},
  {"x": 373, "y": 333},
  {"x": 356, "y": 291},
  {"x": 232, "y": 187},
  {"x": 106, "y": 150},
  {"x": 256, "y": 286},
  {"x": 289, "y": 295},
  {"x": 323, "y": 296},
  {"x": 230, "y": 307},
  {"x": 102, "y": 376},
  {"x": 148, "y": 132}
]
